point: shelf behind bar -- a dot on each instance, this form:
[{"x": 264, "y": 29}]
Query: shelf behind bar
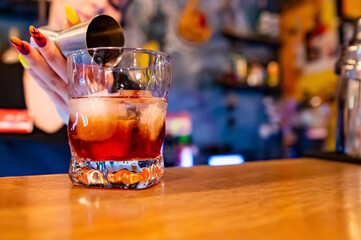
[
  {"x": 246, "y": 88},
  {"x": 251, "y": 38}
]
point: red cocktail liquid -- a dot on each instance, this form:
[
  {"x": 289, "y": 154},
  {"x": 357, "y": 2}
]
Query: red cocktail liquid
[{"x": 117, "y": 128}]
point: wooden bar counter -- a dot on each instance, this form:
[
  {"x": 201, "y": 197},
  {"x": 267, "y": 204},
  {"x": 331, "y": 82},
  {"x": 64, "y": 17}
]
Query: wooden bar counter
[{"x": 281, "y": 199}]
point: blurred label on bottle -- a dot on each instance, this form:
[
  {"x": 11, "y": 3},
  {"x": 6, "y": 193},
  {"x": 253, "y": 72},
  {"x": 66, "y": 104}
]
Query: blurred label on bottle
[
  {"x": 15, "y": 121},
  {"x": 272, "y": 70},
  {"x": 256, "y": 75},
  {"x": 240, "y": 64}
]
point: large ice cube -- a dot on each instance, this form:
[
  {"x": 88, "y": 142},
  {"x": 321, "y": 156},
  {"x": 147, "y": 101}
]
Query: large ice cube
[
  {"x": 93, "y": 118},
  {"x": 152, "y": 119}
]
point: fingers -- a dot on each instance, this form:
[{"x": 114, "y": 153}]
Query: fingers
[
  {"x": 72, "y": 17},
  {"x": 41, "y": 68},
  {"x": 55, "y": 97},
  {"x": 48, "y": 49},
  {"x": 50, "y": 52},
  {"x": 20, "y": 46},
  {"x": 67, "y": 24},
  {"x": 46, "y": 64},
  {"x": 23, "y": 62}
]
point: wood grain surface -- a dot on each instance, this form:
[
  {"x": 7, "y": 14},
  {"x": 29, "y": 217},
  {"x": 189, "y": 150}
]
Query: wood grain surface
[{"x": 283, "y": 199}]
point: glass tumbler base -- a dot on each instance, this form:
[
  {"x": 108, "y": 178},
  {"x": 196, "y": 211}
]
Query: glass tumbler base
[{"x": 135, "y": 174}]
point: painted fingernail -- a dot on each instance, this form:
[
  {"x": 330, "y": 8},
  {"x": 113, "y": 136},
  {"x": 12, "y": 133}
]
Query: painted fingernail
[
  {"x": 38, "y": 37},
  {"x": 23, "y": 62},
  {"x": 20, "y": 45},
  {"x": 71, "y": 15}
]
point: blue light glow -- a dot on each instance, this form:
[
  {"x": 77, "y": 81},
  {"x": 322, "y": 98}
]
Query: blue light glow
[
  {"x": 186, "y": 157},
  {"x": 222, "y": 160}
]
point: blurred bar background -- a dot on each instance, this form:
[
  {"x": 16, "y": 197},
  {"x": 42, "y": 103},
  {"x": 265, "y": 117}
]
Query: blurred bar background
[{"x": 253, "y": 79}]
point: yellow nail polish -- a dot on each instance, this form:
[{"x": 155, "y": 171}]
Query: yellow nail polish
[
  {"x": 71, "y": 15},
  {"x": 23, "y": 62}
]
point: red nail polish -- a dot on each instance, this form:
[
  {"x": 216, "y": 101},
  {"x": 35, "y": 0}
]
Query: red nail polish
[
  {"x": 20, "y": 46},
  {"x": 38, "y": 37}
]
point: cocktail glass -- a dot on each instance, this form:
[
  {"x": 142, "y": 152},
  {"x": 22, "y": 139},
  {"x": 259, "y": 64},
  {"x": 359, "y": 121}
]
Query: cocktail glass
[{"x": 118, "y": 101}]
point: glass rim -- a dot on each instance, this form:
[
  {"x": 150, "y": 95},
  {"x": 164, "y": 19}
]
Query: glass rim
[{"x": 137, "y": 50}]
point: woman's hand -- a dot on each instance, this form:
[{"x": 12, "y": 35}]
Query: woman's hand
[{"x": 47, "y": 65}]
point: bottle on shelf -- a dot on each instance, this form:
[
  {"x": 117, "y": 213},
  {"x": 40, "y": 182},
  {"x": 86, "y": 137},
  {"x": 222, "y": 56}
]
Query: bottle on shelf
[
  {"x": 240, "y": 68},
  {"x": 348, "y": 130},
  {"x": 273, "y": 74}
]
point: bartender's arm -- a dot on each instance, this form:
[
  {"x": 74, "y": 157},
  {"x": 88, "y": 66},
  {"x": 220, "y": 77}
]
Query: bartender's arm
[
  {"x": 46, "y": 66},
  {"x": 41, "y": 107}
]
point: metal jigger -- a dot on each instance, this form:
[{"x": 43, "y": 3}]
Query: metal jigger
[{"x": 100, "y": 31}]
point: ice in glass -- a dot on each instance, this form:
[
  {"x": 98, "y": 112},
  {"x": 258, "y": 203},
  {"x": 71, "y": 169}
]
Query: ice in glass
[{"x": 116, "y": 133}]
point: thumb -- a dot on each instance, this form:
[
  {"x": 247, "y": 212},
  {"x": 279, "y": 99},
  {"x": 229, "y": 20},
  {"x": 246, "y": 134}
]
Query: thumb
[{"x": 72, "y": 17}]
